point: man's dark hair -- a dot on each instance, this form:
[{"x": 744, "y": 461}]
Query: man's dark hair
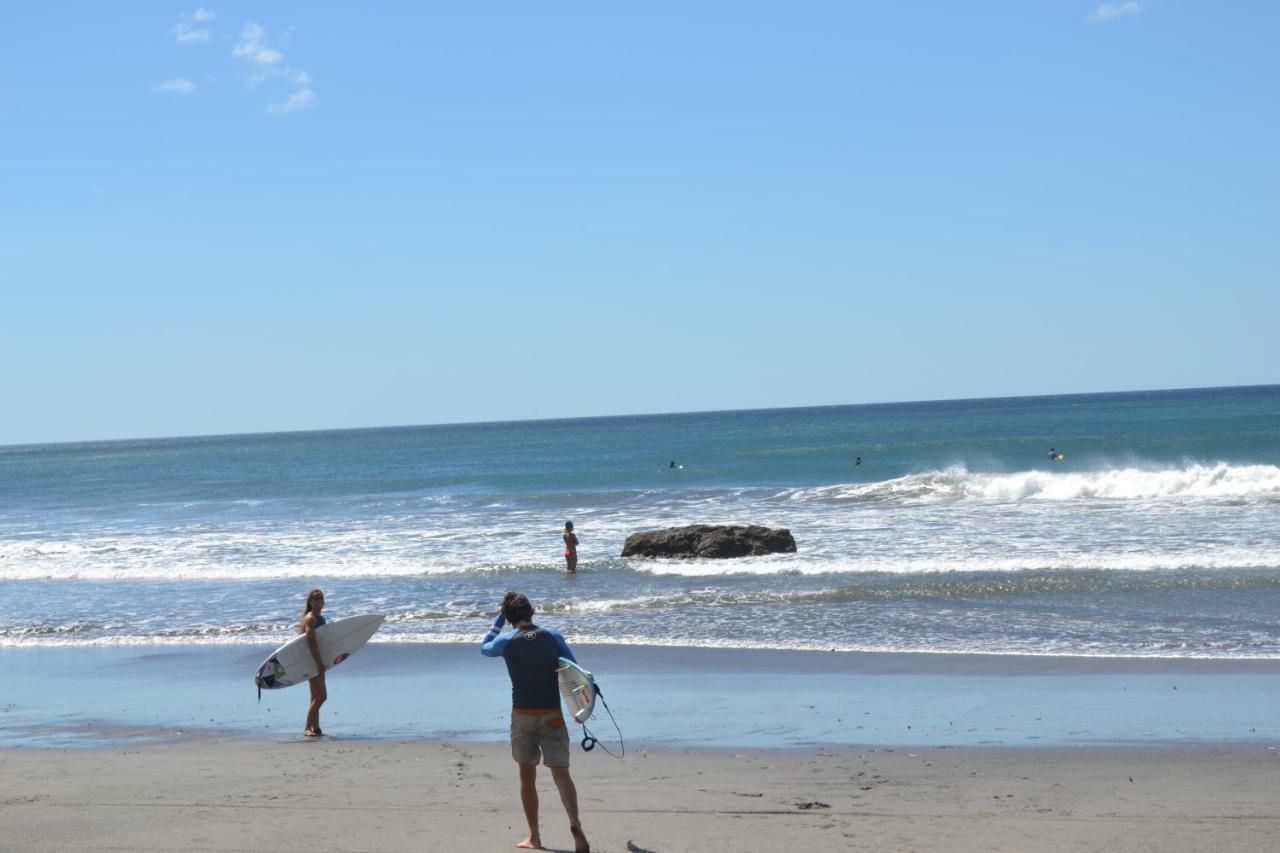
[{"x": 516, "y": 607}]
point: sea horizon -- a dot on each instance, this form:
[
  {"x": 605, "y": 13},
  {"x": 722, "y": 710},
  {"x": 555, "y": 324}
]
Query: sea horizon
[{"x": 660, "y": 414}]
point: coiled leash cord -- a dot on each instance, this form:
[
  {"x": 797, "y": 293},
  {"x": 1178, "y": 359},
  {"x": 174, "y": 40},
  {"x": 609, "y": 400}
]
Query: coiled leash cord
[{"x": 589, "y": 740}]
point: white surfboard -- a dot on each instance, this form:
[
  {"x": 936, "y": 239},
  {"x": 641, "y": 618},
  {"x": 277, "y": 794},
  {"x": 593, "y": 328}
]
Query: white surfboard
[
  {"x": 578, "y": 690},
  {"x": 293, "y": 662}
]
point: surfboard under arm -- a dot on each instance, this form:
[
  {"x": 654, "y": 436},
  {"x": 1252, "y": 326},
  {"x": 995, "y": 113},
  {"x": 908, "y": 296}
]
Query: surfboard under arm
[{"x": 578, "y": 690}]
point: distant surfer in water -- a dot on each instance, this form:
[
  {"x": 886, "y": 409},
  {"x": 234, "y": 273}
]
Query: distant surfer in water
[
  {"x": 311, "y": 620},
  {"x": 673, "y": 464},
  {"x": 1054, "y": 455},
  {"x": 858, "y": 461},
  {"x": 537, "y": 726},
  {"x": 570, "y": 548}
]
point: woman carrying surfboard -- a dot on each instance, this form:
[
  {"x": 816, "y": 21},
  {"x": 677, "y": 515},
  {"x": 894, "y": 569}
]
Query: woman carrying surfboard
[{"x": 311, "y": 620}]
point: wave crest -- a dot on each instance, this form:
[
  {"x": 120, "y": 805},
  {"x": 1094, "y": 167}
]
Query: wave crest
[{"x": 1218, "y": 481}]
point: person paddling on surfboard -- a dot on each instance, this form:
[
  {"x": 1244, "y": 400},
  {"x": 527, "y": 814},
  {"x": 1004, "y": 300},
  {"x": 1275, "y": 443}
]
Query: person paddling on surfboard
[
  {"x": 311, "y": 620},
  {"x": 538, "y": 731}
]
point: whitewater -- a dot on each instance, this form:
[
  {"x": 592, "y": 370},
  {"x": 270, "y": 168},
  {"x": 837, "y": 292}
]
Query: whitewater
[{"x": 1157, "y": 535}]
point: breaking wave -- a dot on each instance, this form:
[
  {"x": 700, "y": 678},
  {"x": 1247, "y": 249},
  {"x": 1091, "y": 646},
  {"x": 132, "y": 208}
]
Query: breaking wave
[{"x": 1219, "y": 481}]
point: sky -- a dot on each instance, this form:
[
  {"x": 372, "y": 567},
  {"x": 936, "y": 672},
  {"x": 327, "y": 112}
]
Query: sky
[{"x": 245, "y": 217}]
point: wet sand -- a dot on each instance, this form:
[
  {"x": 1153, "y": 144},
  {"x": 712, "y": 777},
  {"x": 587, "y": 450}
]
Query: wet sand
[
  {"x": 687, "y": 697},
  {"x": 209, "y": 793}
]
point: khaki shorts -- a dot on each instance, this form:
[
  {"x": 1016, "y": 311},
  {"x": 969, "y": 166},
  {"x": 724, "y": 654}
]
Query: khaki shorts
[{"x": 542, "y": 735}]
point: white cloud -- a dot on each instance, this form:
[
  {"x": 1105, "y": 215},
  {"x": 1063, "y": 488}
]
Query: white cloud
[
  {"x": 296, "y": 101},
  {"x": 184, "y": 33},
  {"x": 300, "y": 98},
  {"x": 178, "y": 86},
  {"x": 190, "y": 27},
  {"x": 253, "y": 46},
  {"x": 268, "y": 63},
  {"x": 1111, "y": 11},
  {"x": 265, "y": 62}
]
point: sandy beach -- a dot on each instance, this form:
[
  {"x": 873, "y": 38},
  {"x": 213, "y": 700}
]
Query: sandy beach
[
  {"x": 103, "y": 749},
  {"x": 212, "y": 794}
]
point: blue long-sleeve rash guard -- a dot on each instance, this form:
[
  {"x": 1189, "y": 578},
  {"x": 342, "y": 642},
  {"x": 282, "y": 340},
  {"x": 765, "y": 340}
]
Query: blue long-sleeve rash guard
[{"x": 532, "y": 655}]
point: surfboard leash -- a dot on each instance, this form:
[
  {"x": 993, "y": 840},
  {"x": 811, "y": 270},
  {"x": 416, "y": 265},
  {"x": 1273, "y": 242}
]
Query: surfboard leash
[{"x": 589, "y": 741}]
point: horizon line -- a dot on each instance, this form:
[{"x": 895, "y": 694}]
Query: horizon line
[{"x": 318, "y": 430}]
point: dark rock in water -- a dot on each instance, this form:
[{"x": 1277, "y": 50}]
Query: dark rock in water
[{"x": 710, "y": 541}]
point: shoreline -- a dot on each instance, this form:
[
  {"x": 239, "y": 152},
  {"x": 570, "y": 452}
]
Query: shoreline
[{"x": 662, "y": 696}]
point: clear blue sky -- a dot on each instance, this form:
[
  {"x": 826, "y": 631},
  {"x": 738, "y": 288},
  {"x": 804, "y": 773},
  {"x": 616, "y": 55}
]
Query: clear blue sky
[{"x": 286, "y": 215}]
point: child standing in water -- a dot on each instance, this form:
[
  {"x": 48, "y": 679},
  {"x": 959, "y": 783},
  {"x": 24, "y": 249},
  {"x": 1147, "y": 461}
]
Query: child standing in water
[
  {"x": 570, "y": 548},
  {"x": 311, "y": 620}
]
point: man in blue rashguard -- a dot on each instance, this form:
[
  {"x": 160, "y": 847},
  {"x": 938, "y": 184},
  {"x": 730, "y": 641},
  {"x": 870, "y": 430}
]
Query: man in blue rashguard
[{"x": 538, "y": 731}]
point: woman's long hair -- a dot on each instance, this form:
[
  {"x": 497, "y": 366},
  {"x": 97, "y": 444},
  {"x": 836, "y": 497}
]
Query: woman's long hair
[{"x": 306, "y": 608}]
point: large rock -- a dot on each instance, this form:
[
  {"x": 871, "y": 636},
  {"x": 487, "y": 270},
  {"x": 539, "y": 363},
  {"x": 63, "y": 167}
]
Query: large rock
[{"x": 706, "y": 540}]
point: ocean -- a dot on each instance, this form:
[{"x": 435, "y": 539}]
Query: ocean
[{"x": 1157, "y": 534}]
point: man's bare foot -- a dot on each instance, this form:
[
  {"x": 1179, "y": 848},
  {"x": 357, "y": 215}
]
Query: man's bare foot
[
  {"x": 313, "y": 733},
  {"x": 533, "y": 842},
  {"x": 580, "y": 844}
]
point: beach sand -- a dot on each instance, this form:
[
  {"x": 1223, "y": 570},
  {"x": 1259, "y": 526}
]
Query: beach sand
[
  {"x": 118, "y": 749},
  {"x": 233, "y": 794}
]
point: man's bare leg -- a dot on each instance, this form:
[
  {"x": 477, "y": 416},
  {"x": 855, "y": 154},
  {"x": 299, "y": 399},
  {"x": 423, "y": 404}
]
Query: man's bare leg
[
  {"x": 529, "y": 799},
  {"x": 569, "y": 797}
]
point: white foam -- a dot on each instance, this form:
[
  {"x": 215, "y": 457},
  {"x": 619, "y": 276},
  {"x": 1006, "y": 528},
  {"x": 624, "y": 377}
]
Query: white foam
[
  {"x": 1195, "y": 516},
  {"x": 1102, "y": 560},
  {"x": 88, "y": 562},
  {"x": 1218, "y": 481},
  {"x": 1063, "y": 649}
]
